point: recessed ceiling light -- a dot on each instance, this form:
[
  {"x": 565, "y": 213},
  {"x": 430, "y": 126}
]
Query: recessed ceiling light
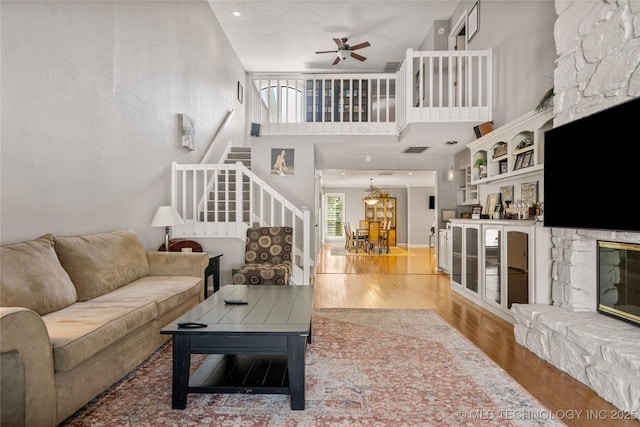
[
  {"x": 409, "y": 173},
  {"x": 235, "y": 13}
]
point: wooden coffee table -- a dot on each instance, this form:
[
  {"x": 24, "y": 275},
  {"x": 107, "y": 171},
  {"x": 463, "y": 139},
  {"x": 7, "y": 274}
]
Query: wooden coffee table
[{"x": 259, "y": 347}]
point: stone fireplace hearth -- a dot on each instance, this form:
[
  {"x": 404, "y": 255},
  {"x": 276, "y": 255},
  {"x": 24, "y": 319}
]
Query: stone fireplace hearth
[{"x": 595, "y": 349}]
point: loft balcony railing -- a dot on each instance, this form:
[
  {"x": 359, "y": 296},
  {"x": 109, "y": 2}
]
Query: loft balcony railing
[{"x": 430, "y": 86}]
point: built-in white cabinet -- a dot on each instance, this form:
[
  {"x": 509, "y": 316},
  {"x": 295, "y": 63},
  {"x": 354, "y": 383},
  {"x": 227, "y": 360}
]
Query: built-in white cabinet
[
  {"x": 465, "y": 258},
  {"x": 444, "y": 250},
  {"x": 508, "y": 264},
  {"x": 511, "y": 150}
]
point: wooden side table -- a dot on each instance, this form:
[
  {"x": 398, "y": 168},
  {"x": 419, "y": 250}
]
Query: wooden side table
[{"x": 213, "y": 271}]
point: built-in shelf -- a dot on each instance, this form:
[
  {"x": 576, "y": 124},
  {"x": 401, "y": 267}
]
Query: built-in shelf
[
  {"x": 467, "y": 192},
  {"x": 524, "y": 139}
]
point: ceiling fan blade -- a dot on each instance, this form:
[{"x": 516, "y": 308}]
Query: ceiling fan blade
[
  {"x": 358, "y": 57},
  {"x": 336, "y": 60},
  {"x": 327, "y": 51},
  {"x": 360, "y": 45},
  {"x": 338, "y": 42}
]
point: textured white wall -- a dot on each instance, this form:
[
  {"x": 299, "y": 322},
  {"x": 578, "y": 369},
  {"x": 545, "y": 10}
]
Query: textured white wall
[
  {"x": 598, "y": 65},
  {"x": 91, "y": 93}
]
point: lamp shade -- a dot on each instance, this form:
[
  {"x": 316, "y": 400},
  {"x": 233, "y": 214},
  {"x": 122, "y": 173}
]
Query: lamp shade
[{"x": 166, "y": 216}]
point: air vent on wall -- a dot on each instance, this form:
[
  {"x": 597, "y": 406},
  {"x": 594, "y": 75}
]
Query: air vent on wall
[
  {"x": 414, "y": 150},
  {"x": 385, "y": 173}
]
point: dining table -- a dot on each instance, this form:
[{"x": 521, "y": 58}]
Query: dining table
[{"x": 362, "y": 235}]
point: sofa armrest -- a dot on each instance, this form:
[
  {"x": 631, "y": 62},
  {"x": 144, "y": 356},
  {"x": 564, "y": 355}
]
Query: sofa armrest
[
  {"x": 177, "y": 263},
  {"x": 28, "y": 390}
]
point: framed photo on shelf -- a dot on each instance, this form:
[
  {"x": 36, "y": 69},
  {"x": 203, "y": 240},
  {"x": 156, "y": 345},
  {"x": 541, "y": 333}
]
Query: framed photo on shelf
[
  {"x": 504, "y": 167},
  {"x": 529, "y": 193},
  {"x": 519, "y": 159},
  {"x": 527, "y": 160},
  {"x": 493, "y": 200},
  {"x": 506, "y": 194}
]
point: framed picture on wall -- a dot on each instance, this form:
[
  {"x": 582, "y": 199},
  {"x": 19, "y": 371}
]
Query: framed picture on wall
[
  {"x": 187, "y": 131},
  {"x": 473, "y": 21},
  {"x": 240, "y": 94},
  {"x": 282, "y": 161}
]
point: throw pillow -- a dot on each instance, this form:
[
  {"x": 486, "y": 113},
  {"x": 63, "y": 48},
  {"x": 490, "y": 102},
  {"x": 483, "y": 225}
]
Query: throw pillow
[
  {"x": 32, "y": 277},
  {"x": 100, "y": 263}
]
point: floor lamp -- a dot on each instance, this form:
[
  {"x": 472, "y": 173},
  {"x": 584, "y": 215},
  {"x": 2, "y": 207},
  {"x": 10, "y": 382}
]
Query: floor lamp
[{"x": 166, "y": 216}]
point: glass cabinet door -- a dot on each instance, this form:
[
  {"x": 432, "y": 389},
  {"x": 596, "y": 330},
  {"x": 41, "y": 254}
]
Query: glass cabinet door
[
  {"x": 517, "y": 267},
  {"x": 472, "y": 265},
  {"x": 456, "y": 254},
  {"x": 492, "y": 264}
]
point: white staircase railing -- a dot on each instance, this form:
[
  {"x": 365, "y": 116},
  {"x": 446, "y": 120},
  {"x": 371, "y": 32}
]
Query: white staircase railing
[{"x": 224, "y": 200}]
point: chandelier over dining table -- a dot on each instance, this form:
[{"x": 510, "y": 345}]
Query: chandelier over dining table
[{"x": 372, "y": 195}]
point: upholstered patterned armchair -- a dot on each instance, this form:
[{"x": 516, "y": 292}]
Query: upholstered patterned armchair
[{"x": 267, "y": 257}]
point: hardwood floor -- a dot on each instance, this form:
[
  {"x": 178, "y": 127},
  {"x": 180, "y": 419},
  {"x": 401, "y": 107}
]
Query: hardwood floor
[{"x": 412, "y": 282}]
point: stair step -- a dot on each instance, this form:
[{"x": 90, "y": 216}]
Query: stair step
[
  {"x": 221, "y": 205},
  {"x": 240, "y": 149},
  {"x": 247, "y": 163},
  {"x": 240, "y": 155},
  {"x": 222, "y": 217},
  {"x": 222, "y": 186}
]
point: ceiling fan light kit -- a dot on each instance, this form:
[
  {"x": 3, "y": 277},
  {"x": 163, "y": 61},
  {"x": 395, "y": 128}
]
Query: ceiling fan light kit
[{"x": 345, "y": 50}]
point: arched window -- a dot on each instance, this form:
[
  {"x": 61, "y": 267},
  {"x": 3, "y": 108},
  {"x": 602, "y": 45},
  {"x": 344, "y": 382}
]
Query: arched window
[{"x": 283, "y": 102}]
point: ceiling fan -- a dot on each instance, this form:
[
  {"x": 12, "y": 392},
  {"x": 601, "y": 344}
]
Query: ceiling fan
[{"x": 344, "y": 50}]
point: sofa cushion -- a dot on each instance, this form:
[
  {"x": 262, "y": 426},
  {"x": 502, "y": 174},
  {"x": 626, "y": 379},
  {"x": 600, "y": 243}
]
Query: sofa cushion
[
  {"x": 31, "y": 276},
  {"x": 100, "y": 263},
  {"x": 168, "y": 292},
  {"x": 83, "y": 329}
]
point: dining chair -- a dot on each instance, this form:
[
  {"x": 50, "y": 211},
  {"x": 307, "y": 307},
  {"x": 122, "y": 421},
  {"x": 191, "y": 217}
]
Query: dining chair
[
  {"x": 349, "y": 242},
  {"x": 384, "y": 235},
  {"x": 374, "y": 238},
  {"x": 359, "y": 238},
  {"x": 364, "y": 223}
]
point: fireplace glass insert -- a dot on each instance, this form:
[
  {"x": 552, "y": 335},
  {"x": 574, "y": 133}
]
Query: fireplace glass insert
[{"x": 619, "y": 280}]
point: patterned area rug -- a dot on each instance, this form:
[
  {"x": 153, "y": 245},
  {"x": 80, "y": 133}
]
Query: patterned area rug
[
  {"x": 364, "y": 368},
  {"x": 393, "y": 251}
]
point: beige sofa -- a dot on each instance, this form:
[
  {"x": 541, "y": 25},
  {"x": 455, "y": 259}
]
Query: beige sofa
[{"x": 78, "y": 313}]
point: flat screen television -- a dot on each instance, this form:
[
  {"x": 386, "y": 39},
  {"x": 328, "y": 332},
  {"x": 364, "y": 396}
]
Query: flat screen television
[{"x": 592, "y": 170}]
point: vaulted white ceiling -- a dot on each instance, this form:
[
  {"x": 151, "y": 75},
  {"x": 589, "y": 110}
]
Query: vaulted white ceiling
[{"x": 283, "y": 36}]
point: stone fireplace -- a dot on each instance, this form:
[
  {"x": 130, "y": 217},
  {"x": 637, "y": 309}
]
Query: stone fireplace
[{"x": 597, "y": 67}]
